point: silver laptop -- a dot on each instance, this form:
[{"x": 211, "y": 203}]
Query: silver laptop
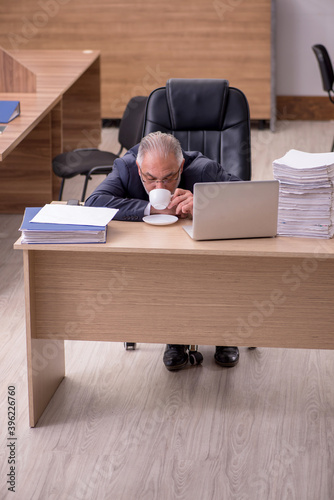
[{"x": 230, "y": 210}]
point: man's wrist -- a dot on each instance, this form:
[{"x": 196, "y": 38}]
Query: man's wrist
[
  {"x": 147, "y": 210},
  {"x": 154, "y": 211}
]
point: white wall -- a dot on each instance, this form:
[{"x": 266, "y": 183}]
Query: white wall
[{"x": 299, "y": 25}]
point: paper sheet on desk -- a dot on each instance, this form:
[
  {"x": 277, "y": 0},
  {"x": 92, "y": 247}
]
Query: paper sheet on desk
[{"x": 75, "y": 214}]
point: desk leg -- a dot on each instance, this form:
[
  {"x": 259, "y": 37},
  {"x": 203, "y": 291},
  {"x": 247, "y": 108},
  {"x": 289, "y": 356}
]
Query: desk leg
[{"x": 45, "y": 357}]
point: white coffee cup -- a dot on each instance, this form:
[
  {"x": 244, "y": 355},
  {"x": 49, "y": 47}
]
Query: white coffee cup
[{"x": 160, "y": 198}]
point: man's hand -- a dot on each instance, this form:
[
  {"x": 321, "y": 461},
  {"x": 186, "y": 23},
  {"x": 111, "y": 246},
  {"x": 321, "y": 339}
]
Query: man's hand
[
  {"x": 180, "y": 205},
  {"x": 182, "y": 202}
]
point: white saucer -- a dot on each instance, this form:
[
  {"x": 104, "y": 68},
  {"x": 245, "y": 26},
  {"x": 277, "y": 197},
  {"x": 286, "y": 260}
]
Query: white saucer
[{"x": 160, "y": 219}]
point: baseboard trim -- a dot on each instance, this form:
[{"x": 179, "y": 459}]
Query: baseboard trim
[
  {"x": 111, "y": 122},
  {"x": 304, "y": 108}
]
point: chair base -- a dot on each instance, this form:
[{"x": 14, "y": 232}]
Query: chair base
[{"x": 130, "y": 345}]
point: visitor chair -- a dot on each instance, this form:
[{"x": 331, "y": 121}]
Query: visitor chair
[
  {"x": 93, "y": 161},
  {"x": 326, "y": 71}
]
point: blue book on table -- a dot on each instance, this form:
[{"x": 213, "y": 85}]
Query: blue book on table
[
  {"x": 9, "y": 110},
  {"x": 37, "y": 232}
]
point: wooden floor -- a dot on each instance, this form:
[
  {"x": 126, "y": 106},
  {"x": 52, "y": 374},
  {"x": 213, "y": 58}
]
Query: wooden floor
[{"x": 122, "y": 427}]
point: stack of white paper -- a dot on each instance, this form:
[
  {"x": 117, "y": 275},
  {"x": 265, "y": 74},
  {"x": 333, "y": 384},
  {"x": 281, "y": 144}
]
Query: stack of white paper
[
  {"x": 66, "y": 224},
  {"x": 305, "y": 194}
]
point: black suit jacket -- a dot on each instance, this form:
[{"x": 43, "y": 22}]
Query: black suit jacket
[{"x": 124, "y": 190}]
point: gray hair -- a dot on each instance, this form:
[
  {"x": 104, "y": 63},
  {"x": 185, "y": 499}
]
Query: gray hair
[{"x": 161, "y": 143}]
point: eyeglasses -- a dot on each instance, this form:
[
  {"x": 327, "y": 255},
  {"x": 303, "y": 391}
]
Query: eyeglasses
[{"x": 167, "y": 180}]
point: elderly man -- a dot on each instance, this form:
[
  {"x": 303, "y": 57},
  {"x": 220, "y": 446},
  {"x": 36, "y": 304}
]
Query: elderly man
[{"x": 159, "y": 162}]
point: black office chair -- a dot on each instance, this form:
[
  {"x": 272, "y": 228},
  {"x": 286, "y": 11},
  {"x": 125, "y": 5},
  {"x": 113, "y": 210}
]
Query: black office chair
[
  {"x": 326, "y": 71},
  {"x": 205, "y": 115},
  {"x": 92, "y": 161}
]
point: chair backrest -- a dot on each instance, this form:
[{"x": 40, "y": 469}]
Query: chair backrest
[
  {"x": 325, "y": 65},
  {"x": 205, "y": 115},
  {"x": 131, "y": 126}
]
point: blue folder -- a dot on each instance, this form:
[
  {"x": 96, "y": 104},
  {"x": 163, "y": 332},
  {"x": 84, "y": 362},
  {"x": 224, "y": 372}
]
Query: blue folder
[
  {"x": 39, "y": 232},
  {"x": 9, "y": 110}
]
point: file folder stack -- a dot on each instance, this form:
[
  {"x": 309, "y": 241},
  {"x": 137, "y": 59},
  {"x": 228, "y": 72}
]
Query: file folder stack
[
  {"x": 305, "y": 194},
  {"x": 65, "y": 224}
]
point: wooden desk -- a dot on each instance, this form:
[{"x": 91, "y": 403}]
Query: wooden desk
[
  {"x": 156, "y": 285},
  {"x": 63, "y": 114}
]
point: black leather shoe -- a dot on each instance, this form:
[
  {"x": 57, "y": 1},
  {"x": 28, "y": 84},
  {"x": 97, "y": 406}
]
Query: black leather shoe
[
  {"x": 175, "y": 356},
  {"x": 226, "y": 356}
]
